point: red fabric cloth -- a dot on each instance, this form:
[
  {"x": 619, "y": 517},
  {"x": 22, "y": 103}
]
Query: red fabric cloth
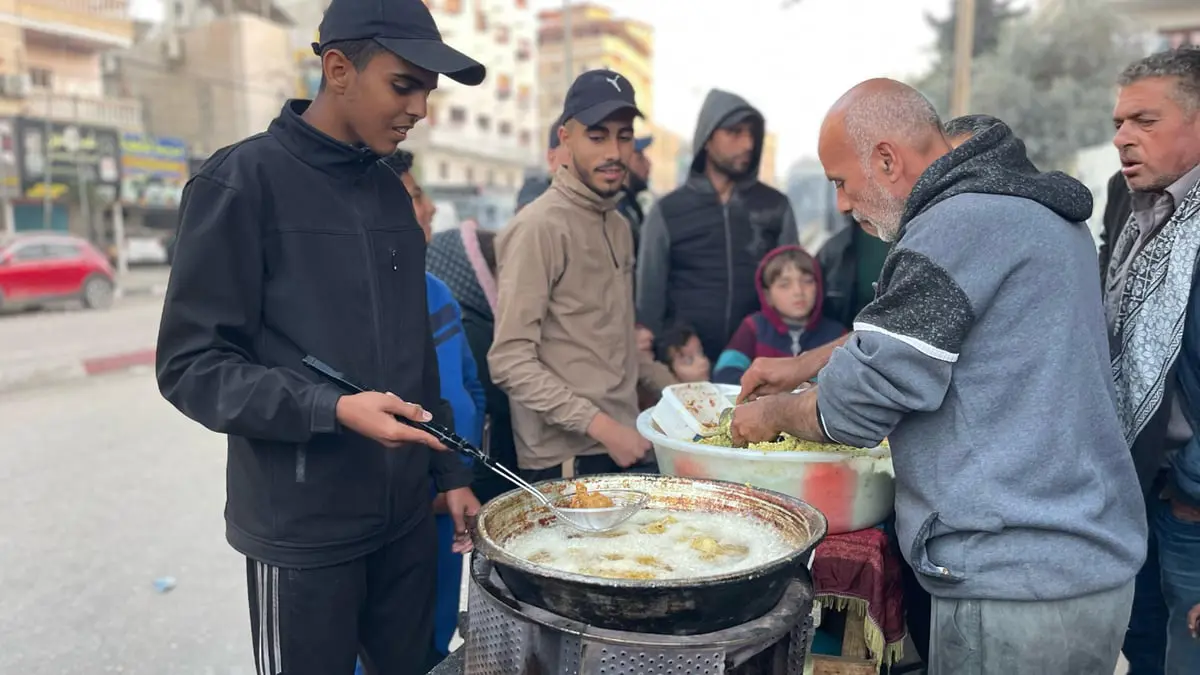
[{"x": 863, "y": 565}]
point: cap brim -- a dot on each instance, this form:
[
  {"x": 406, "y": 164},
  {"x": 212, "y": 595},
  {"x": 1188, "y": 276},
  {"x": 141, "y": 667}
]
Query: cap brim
[
  {"x": 437, "y": 57},
  {"x": 602, "y": 111}
]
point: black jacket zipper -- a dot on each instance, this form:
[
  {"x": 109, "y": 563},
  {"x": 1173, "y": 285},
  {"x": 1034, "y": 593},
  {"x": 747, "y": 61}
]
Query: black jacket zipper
[
  {"x": 728, "y": 272},
  {"x": 369, "y": 250}
]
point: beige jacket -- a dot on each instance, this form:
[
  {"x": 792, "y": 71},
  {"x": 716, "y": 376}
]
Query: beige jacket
[{"x": 564, "y": 347}]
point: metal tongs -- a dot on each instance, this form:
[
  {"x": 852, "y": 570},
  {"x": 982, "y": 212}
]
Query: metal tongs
[{"x": 626, "y": 503}]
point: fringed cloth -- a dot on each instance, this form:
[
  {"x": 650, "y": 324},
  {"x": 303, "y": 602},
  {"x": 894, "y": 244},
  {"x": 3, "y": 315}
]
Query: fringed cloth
[{"x": 859, "y": 573}]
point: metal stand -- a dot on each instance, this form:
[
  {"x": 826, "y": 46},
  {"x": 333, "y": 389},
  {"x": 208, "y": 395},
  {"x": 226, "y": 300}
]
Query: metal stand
[{"x": 506, "y": 637}]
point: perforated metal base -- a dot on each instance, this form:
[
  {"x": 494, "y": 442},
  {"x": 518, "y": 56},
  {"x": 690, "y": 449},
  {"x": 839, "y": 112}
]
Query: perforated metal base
[{"x": 505, "y": 637}]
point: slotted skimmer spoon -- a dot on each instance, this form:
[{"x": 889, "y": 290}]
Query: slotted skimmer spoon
[{"x": 626, "y": 503}]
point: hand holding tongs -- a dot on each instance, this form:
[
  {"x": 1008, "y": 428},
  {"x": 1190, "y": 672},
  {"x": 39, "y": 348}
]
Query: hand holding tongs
[{"x": 596, "y": 519}]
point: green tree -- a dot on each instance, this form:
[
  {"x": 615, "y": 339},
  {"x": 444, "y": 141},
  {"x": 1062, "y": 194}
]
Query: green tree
[
  {"x": 1052, "y": 78},
  {"x": 990, "y": 18}
]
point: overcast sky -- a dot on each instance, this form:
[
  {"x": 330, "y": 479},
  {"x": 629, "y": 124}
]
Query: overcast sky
[{"x": 792, "y": 64}]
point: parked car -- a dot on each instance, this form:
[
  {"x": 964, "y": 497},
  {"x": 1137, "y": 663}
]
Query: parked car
[
  {"x": 146, "y": 251},
  {"x": 40, "y": 268}
]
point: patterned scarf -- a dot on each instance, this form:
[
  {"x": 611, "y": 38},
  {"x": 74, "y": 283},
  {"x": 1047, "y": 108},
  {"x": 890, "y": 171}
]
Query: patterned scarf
[
  {"x": 454, "y": 257},
  {"x": 1148, "y": 326}
]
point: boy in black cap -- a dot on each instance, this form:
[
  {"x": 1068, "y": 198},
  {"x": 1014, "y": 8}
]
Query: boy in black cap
[
  {"x": 564, "y": 350},
  {"x": 300, "y": 241}
]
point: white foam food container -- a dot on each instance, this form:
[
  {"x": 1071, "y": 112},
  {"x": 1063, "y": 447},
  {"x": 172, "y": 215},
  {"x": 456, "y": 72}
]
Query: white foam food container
[{"x": 691, "y": 409}]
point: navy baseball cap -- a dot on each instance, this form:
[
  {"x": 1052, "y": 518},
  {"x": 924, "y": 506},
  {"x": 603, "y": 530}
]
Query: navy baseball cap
[
  {"x": 595, "y": 95},
  {"x": 640, "y": 144},
  {"x": 554, "y": 133},
  {"x": 404, "y": 28}
]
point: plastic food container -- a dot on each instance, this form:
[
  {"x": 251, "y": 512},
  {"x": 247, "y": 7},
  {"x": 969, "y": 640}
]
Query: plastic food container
[
  {"x": 854, "y": 492},
  {"x": 690, "y": 410}
]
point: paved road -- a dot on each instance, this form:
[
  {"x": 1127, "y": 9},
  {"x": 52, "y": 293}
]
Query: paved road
[
  {"x": 36, "y": 338},
  {"x": 104, "y": 487}
]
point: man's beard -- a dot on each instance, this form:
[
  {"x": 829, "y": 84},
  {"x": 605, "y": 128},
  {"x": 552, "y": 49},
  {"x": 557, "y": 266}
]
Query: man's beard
[
  {"x": 729, "y": 169},
  {"x": 882, "y": 211},
  {"x": 586, "y": 177}
]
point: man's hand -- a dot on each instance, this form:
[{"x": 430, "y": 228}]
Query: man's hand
[
  {"x": 777, "y": 376},
  {"x": 463, "y": 507},
  {"x": 1184, "y": 512},
  {"x": 767, "y": 376},
  {"x": 1194, "y": 621},
  {"x": 758, "y": 420},
  {"x": 373, "y": 415},
  {"x": 624, "y": 444},
  {"x": 764, "y": 419}
]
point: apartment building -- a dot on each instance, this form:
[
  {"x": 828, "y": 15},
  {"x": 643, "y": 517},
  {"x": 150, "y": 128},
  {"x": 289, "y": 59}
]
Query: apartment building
[
  {"x": 485, "y": 136},
  {"x": 213, "y": 73},
  {"x": 590, "y": 36},
  {"x": 474, "y": 139},
  {"x": 59, "y": 131}
]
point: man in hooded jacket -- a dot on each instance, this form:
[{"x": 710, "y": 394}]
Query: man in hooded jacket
[
  {"x": 989, "y": 256},
  {"x": 704, "y": 240}
]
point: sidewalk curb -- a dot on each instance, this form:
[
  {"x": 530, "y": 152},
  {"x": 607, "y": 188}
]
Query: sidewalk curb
[
  {"x": 157, "y": 291},
  {"x": 73, "y": 369}
]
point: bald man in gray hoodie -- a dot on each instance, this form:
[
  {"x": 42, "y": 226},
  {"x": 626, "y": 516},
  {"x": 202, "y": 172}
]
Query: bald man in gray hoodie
[{"x": 984, "y": 360}]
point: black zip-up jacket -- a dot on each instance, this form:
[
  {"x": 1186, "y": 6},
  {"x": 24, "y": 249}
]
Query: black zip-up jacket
[
  {"x": 697, "y": 257},
  {"x": 292, "y": 243}
]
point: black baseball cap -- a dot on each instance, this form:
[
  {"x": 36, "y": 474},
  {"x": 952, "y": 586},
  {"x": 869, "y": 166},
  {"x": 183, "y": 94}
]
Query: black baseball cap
[
  {"x": 595, "y": 95},
  {"x": 404, "y": 28}
]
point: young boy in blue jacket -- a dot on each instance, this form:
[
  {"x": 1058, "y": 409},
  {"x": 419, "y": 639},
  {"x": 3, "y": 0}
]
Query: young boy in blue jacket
[{"x": 462, "y": 389}]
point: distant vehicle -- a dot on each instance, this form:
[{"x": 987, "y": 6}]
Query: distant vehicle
[
  {"x": 146, "y": 251},
  {"x": 490, "y": 207},
  {"x": 39, "y": 268}
]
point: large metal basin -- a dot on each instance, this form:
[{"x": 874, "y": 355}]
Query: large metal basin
[{"x": 689, "y": 606}]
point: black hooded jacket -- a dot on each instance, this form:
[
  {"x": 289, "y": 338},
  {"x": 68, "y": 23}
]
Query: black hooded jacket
[
  {"x": 697, "y": 257},
  {"x": 292, "y": 243}
]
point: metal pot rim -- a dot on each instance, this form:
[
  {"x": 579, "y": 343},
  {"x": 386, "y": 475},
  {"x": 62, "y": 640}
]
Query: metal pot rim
[{"x": 813, "y": 519}]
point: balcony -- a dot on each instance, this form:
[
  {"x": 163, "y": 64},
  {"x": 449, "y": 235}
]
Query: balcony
[
  {"x": 123, "y": 114},
  {"x": 85, "y": 25}
]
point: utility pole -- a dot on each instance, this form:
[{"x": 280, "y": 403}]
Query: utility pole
[
  {"x": 568, "y": 36},
  {"x": 48, "y": 170},
  {"x": 964, "y": 50}
]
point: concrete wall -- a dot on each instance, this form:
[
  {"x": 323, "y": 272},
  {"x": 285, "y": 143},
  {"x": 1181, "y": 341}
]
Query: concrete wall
[
  {"x": 11, "y": 54},
  {"x": 234, "y": 74}
]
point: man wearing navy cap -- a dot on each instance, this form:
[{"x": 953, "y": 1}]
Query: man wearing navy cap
[
  {"x": 300, "y": 241},
  {"x": 564, "y": 350}
]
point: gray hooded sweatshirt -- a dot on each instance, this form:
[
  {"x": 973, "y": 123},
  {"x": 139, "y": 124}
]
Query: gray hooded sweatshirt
[
  {"x": 984, "y": 359},
  {"x": 697, "y": 257}
]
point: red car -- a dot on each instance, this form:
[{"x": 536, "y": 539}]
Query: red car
[{"x": 37, "y": 268}]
